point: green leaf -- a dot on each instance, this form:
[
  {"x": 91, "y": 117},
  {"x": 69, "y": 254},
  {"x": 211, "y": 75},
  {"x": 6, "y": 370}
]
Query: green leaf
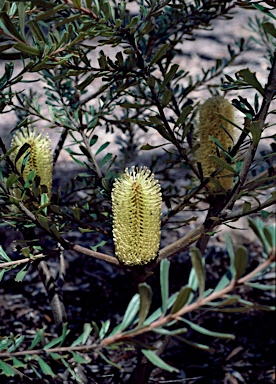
[
  {"x": 183, "y": 115},
  {"x": 222, "y": 163},
  {"x": 262, "y": 287},
  {"x": 166, "y": 97},
  {"x": 198, "y": 266},
  {"x": 145, "y": 302},
  {"x": 21, "y": 151},
  {"x": 105, "y": 328},
  {"x": 157, "y": 361},
  {"x": 131, "y": 312},
  {"x": 36, "y": 339},
  {"x": 82, "y": 339},
  {"x": 246, "y": 207},
  {"x": 36, "y": 31},
  {"x": 230, "y": 250},
  {"x": 11, "y": 180},
  {"x": 17, "y": 363},
  {"x": 26, "y": 49},
  {"x": 10, "y": 26},
  {"x": 148, "y": 147},
  {"x": 181, "y": 299},
  {"x": 55, "y": 231},
  {"x": 160, "y": 53},
  {"x": 207, "y": 332},
  {"x": 163, "y": 331},
  {"x": 258, "y": 228},
  {"x": 156, "y": 314},
  {"x": 202, "y": 347},
  {"x": 46, "y": 369},
  {"x": 224, "y": 281},
  {"x": 251, "y": 79},
  {"x": 265, "y": 214},
  {"x": 241, "y": 260},
  {"x": 59, "y": 340},
  {"x": 43, "y": 221},
  {"x": 169, "y": 76},
  {"x": 86, "y": 82},
  {"x": 29, "y": 179},
  {"x": 269, "y": 28},
  {"x": 21, "y": 274},
  {"x": 105, "y": 159},
  {"x": 79, "y": 359},
  {"x": 102, "y": 147},
  {"x": 269, "y": 233},
  {"x": 6, "y": 368},
  {"x": 164, "y": 283},
  {"x": 256, "y": 131},
  {"x": 8, "y": 153},
  {"x": 3, "y": 254}
]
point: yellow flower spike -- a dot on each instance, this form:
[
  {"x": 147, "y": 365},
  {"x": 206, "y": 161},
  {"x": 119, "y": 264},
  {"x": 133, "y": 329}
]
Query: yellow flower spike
[
  {"x": 136, "y": 207},
  {"x": 210, "y": 124},
  {"x": 40, "y": 158}
]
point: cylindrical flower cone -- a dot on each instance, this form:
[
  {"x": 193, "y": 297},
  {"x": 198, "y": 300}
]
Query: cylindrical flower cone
[
  {"x": 40, "y": 158},
  {"x": 210, "y": 124},
  {"x": 136, "y": 207}
]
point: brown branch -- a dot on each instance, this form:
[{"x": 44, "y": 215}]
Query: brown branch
[
  {"x": 18, "y": 262},
  {"x": 79, "y": 348}
]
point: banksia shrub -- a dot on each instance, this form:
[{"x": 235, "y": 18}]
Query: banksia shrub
[
  {"x": 212, "y": 124},
  {"x": 136, "y": 206},
  {"x": 38, "y": 155}
]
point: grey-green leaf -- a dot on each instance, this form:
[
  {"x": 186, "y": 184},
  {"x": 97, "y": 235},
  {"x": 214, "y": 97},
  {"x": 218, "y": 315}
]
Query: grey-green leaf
[
  {"x": 207, "y": 332},
  {"x": 131, "y": 312},
  {"x": 6, "y": 368},
  {"x": 164, "y": 283},
  {"x": 197, "y": 262},
  {"x": 145, "y": 302},
  {"x": 157, "y": 361},
  {"x": 251, "y": 79},
  {"x": 46, "y": 369},
  {"x": 241, "y": 260},
  {"x": 182, "y": 298}
]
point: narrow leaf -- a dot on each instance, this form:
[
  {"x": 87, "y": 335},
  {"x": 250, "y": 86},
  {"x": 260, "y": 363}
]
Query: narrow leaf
[
  {"x": 46, "y": 369},
  {"x": 131, "y": 312},
  {"x": 222, "y": 163},
  {"x": 6, "y": 369},
  {"x": 183, "y": 115},
  {"x": 203, "y": 347},
  {"x": 241, "y": 260},
  {"x": 21, "y": 274},
  {"x": 145, "y": 302},
  {"x": 251, "y": 79},
  {"x": 269, "y": 28},
  {"x": 182, "y": 298},
  {"x": 164, "y": 283},
  {"x": 169, "y": 76},
  {"x": 230, "y": 250},
  {"x": 256, "y": 131},
  {"x": 3, "y": 254},
  {"x": 160, "y": 53},
  {"x": 207, "y": 332},
  {"x": 157, "y": 361},
  {"x": 197, "y": 262},
  {"x": 102, "y": 147}
]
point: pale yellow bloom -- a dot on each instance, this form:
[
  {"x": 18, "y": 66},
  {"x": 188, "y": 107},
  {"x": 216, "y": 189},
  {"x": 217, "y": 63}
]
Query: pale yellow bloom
[
  {"x": 136, "y": 206},
  {"x": 39, "y": 156},
  {"x": 210, "y": 124}
]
